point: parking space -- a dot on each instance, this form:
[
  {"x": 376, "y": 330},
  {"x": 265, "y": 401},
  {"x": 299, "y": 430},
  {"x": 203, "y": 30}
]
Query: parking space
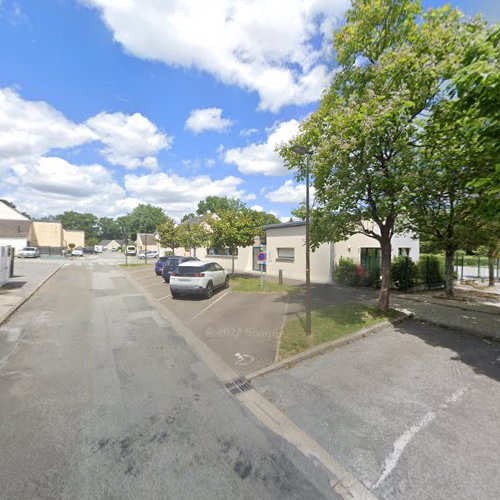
[{"x": 242, "y": 328}]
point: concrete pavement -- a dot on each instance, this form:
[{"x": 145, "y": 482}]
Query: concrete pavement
[
  {"x": 413, "y": 411},
  {"x": 100, "y": 397}
]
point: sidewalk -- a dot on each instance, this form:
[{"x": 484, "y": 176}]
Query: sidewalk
[{"x": 29, "y": 276}]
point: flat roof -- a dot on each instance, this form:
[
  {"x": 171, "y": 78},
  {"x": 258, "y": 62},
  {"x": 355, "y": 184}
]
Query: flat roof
[{"x": 285, "y": 224}]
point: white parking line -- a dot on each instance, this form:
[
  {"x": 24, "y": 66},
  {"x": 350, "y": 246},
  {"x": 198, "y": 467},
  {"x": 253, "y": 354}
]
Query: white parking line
[
  {"x": 166, "y": 296},
  {"x": 153, "y": 284},
  {"x": 208, "y": 307}
]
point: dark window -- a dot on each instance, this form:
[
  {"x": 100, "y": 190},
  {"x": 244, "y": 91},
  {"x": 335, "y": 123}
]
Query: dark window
[
  {"x": 224, "y": 252},
  {"x": 190, "y": 270},
  {"x": 163, "y": 259},
  {"x": 370, "y": 257},
  {"x": 405, "y": 252},
  {"x": 218, "y": 267},
  {"x": 173, "y": 261}
]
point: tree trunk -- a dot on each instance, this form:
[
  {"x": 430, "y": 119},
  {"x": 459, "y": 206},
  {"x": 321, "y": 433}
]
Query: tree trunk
[
  {"x": 491, "y": 271},
  {"x": 232, "y": 262},
  {"x": 385, "y": 269},
  {"x": 449, "y": 272},
  {"x": 194, "y": 251}
]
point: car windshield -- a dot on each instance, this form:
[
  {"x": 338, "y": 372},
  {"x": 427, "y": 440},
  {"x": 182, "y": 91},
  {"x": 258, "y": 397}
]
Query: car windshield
[
  {"x": 163, "y": 259},
  {"x": 29, "y": 249}
]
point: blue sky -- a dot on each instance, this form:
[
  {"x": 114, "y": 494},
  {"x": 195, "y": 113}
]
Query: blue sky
[{"x": 105, "y": 104}]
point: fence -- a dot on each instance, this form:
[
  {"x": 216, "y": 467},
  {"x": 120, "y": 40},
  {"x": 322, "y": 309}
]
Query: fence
[{"x": 51, "y": 251}]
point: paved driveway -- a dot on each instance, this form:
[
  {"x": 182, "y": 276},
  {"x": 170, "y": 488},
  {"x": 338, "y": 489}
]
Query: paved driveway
[
  {"x": 413, "y": 412},
  {"x": 242, "y": 328}
]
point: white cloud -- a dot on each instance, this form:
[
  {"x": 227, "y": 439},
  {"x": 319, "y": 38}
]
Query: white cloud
[
  {"x": 246, "y": 132},
  {"x": 289, "y": 193},
  {"x": 258, "y": 208},
  {"x": 29, "y": 129},
  {"x": 261, "y": 158},
  {"x": 200, "y": 120},
  {"x": 179, "y": 195},
  {"x": 262, "y": 46},
  {"x": 131, "y": 140}
]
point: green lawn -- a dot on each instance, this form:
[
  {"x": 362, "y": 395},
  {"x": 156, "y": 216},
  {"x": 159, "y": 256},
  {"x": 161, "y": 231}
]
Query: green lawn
[
  {"x": 252, "y": 284},
  {"x": 330, "y": 323},
  {"x": 131, "y": 265}
]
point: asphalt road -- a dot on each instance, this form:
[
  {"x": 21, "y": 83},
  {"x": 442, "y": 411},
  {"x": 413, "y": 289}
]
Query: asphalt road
[
  {"x": 101, "y": 398},
  {"x": 413, "y": 411}
]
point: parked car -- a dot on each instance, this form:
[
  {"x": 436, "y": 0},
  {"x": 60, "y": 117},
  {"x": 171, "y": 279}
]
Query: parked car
[
  {"x": 29, "y": 252},
  {"x": 130, "y": 250},
  {"x": 150, "y": 254},
  {"x": 198, "y": 278},
  {"x": 169, "y": 265},
  {"x": 77, "y": 252}
]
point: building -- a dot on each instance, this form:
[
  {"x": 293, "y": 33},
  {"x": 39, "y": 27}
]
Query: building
[
  {"x": 147, "y": 241},
  {"x": 111, "y": 244},
  {"x": 18, "y": 231},
  {"x": 285, "y": 251},
  {"x": 15, "y": 228}
]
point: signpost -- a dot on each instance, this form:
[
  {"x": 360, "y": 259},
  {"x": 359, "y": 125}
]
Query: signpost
[{"x": 261, "y": 259}]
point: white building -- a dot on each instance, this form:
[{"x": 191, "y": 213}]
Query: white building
[
  {"x": 15, "y": 228},
  {"x": 286, "y": 251}
]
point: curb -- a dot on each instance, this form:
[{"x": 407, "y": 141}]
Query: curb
[
  {"x": 333, "y": 344},
  {"x": 6, "y": 316},
  {"x": 465, "y": 307}
]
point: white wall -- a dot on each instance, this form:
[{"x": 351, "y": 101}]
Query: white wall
[
  {"x": 294, "y": 237},
  {"x": 4, "y": 265},
  {"x": 242, "y": 262},
  {"x": 17, "y": 243}
]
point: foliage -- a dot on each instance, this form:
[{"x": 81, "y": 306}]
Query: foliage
[
  {"x": 168, "y": 232},
  {"x": 76, "y": 221},
  {"x": 430, "y": 269},
  {"x": 193, "y": 233},
  {"x": 218, "y": 204},
  {"x": 108, "y": 229},
  {"x": 391, "y": 64},
  {"x": 345, "y": 271},
  {"x": 261, "y": 219},
  {"x": 71, "y": 246},
  {"x": 146, "y": 218},
  {"x": 300, "y": 211},
  {"x": 404, "y": 273}
]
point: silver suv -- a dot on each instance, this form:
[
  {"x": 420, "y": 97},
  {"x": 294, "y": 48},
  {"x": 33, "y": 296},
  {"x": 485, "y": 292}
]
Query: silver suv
[
  {"x": 29, "y": 252},
  {"x": 200, "y": 278}
]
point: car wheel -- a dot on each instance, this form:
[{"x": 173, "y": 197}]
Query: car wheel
[
  {"x": 209, "y": 290},
  {"x": 226, "y": 282},
  {"x": 175, "y": 295}
]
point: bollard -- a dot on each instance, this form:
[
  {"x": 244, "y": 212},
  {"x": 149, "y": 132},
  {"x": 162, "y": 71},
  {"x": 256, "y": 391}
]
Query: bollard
[{"x": 280, "y": 276}]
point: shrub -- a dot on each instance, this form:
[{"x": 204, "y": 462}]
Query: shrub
[
  {"x": 374, "y": 277},
  {"x": 430, "y": 269},
  {"x": 404, "y": 273},
  {"x": 345, "y": 272}
]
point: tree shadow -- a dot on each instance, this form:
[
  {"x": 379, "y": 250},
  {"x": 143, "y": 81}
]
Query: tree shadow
[
  {"x": 481, "y": 354},
  {"x": 13, "y": 285}
]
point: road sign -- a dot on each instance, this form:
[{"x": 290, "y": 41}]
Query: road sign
[{"x": 261, "y": 257}]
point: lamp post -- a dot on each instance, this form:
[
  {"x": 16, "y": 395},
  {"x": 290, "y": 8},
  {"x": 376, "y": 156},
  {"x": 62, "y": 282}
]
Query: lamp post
[{"x": 302, "y": 151}]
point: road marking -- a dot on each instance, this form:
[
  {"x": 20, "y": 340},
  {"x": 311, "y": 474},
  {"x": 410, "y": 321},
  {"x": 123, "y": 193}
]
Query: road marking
[
  {"x": 208, "y": 307},
  {"x": 154, "y": 284},
  {"x": 243, "y": 359},
  {"x": 166, "y": 296},
  {"x": 405, "y": 438}
]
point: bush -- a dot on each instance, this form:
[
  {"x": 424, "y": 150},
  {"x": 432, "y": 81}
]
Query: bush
[
  {"x": 345, "y": 272},
  {"x": 430, "y": 269},
  {"x": 374, "y": 277},
  {"x": 404, "y": 273}
]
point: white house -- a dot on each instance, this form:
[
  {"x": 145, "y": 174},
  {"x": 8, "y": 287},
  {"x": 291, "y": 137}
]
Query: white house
[
  {"x": 286, "y": 251},
  {"x": 15, "y": 228}
]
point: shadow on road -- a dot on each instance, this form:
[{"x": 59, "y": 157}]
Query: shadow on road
[{"x": 482, "y": 355}]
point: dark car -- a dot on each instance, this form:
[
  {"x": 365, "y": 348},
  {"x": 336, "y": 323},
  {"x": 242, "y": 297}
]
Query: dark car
[{"x": 170, "y": 265}]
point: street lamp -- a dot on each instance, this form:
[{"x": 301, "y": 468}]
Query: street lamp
[{"x": 302, "y": 151}]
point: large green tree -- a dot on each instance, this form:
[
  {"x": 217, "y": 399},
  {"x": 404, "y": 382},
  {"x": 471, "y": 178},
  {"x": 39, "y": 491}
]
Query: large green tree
[
  {"x": 146, "y": 218},
  {"x": 169, "y": 234},
  {"x": 392, "y": 63},
  {"x": 76, "y": 221},
  {"x": 193, "y": 234},
  {"x": 108, "y": 228},
  {"x": 232, "y": 229},
  {"x": 217, "y": 204}
]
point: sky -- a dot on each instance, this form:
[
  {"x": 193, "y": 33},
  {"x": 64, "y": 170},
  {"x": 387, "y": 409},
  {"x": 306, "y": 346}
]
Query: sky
[{"x": 105, "y": 104}]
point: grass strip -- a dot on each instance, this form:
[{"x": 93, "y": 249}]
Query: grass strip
[
  {"x": 330, "y": 323},
  {"x": 252, "y": 284}
]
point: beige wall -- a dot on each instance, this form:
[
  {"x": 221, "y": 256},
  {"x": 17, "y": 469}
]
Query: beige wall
[
  {"x": 352, "y": 246},
  {"x": 47, "y": 234},
  {"x": 76, "y": 237},
  {"x": 294, "y": 237}
]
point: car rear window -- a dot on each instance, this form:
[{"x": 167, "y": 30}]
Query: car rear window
[
  {"x": 163, "y": 259},
  {"x": 173, "y": 261},
  {"x": 186, "y": 270}
]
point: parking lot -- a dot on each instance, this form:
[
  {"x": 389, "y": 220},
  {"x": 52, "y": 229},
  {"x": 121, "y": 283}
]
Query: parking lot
[{"x": 242, "y": 328}]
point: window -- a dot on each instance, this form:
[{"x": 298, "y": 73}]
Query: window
[
  {"x": 218, "y": 267},
  {"x": 405, "y": 252},
  {"x": 370, "y": 257},
  {"x": 223, "y": 252},
  {"x": 286, "y": 253}
]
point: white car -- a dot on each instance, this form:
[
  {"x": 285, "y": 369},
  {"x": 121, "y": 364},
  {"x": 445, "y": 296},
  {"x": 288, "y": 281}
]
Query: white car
[
  {"x": 77, "y": 252},
  {"x": 29, "y": 252},
  {"x": 198, "y": 278},
  {"x": 150, "y": 254}
]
